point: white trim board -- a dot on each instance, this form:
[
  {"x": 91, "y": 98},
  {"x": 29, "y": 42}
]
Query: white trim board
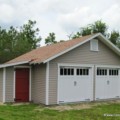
[
  {"x": 58, "y": 83},
  {"x": 110, "y": 44},
  {"x": 47, "y": 84},
  {"x": 22, "y": 66},
  {"x": 75, "y": 65},
  {"x": 12, "y": 64},
  {"x": 107, "y": 66},
  {"x": 88, "y": 65}
]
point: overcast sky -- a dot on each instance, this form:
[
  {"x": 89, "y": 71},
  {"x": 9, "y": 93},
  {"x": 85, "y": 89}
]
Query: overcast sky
[{"x": 60, "y": 16}]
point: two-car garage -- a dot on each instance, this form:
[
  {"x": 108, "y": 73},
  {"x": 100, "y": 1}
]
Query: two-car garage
[{"x": 87, "y": 83}]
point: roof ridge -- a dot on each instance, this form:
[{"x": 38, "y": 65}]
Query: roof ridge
[{"x": 67, "y": 40}]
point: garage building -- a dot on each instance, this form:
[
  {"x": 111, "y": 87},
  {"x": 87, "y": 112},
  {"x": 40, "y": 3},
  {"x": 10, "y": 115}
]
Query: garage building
[{"x": 82, "y": 69}]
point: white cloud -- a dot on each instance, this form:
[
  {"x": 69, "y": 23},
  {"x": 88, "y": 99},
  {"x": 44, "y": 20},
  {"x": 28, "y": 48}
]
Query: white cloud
[
  {"x": 6, "y": 13},
  {"x": 60, "y": 16},
  {"x": 78, "y": 18},
  {"x": 112, "y": 16},
  {"x": 82, "y": 16}
]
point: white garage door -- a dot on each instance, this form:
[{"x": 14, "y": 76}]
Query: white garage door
[
  {"x": 107, "y": 83},
  {"x": 75, "y": 84}
]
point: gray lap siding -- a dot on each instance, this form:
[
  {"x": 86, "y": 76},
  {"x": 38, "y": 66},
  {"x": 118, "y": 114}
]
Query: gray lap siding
[
  {"x": 9, "y": 84},
  {"x": 38, "y": 80},
  {"x": 80, "y": 55},
  {"x": 38, "y": 83}
]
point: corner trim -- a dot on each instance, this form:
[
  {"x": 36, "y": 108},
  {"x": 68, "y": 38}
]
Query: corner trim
[
  {"x": 47, "y": 84},
  {"x": 58, "y": 82}
]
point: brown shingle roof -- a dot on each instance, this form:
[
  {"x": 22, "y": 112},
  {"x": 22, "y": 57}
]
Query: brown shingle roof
[{"x": 43, "y": 53}]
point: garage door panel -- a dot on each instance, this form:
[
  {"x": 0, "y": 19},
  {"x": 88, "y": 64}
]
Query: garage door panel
[
  {"x": 107, "y": 83},
  {"x": 114, "y": 87},
  {"x": 64, "y": 88},
  {"x": 100, "y": 91},
  {"x": 75, "y": 87},
  {"x": 85, "y": 87}
]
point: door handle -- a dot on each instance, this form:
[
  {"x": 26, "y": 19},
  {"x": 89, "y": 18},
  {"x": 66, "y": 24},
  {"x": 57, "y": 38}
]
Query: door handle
[
  {"x": 108, "y": 82},
  {"x": 75, "y": 83}
]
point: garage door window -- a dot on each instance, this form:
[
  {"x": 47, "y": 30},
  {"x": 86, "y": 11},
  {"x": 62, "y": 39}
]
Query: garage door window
[
  {"x": 66, "y": 71},
  {"x": 102, "y": 72},
  {"x": 82, "y": 71},
  {"x": 113, "y": 72}
]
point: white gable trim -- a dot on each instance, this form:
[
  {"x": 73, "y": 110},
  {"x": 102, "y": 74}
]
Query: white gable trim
[
  {"x": 12, "y": 64},
  {"x": 112, "y": 46},
  {"x": 71, "y": 48}
]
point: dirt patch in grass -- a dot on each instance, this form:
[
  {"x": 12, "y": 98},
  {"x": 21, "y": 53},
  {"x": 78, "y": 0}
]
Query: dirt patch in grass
[
  {"x": 70, "y": 107},
  {"x": 80, "y": 106},
  {"x": 18, "y": 104},
  {"x": 2, "y": 103}
]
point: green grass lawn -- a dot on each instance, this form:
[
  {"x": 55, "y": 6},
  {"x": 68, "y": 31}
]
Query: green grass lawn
[{"x": 39, "y": 112}]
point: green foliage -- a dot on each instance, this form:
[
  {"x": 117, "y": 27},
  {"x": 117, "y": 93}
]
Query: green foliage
[
  {"x": 76, "y": 35},
  {"x": 50, "y": 39},
  {"x": 62, "y": 40},
  {"x": 114, "y": 37},
  {"x": 86, "y": 31},
  {"x": 98, "y": 27},
  {"x": 17, "y": 41}
]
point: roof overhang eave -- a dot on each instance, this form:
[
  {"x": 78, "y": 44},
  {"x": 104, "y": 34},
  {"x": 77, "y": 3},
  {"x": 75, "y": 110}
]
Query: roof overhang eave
[
  {"x": 109, "y": 44},
  {"x": 13, "y": 64}
]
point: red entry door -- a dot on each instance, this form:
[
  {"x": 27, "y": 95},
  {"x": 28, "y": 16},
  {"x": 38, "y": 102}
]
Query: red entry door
[{"x": 22, "y": 85}]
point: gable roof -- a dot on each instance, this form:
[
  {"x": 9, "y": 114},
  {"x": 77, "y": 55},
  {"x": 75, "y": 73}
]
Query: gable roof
[{"x": 47, "y": 53}]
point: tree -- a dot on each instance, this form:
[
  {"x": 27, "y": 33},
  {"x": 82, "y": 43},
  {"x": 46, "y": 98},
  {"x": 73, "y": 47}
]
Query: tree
[
  {"x": 27, "y": 38},
  {"x": 17, "y": 41},
  {"x": 99, "y": 26},
  {"x": 50, "y": 39},
  {"x": 86, "y": 31},
  {"x": 96, "y": 27},
  {"x": 76, "y": 35},
  {"x": 114, "y": 37}
]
